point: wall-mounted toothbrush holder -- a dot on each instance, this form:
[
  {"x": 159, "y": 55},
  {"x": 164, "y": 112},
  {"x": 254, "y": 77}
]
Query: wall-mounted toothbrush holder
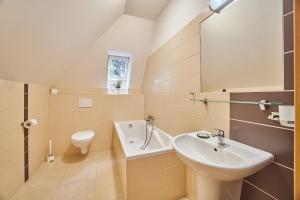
[{"x": 285, "y": 116}]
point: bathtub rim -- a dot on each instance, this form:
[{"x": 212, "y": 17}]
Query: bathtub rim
[{"x": 166, "y": 149}]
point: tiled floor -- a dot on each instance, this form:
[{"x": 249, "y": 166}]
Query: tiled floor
[{"x": 91, "y": 177}]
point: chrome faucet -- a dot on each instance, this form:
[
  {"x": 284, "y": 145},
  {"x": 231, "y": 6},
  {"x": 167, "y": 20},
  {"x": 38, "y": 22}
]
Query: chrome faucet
[
  {"x": 221, "y": 136},
  {"x": 149, "y": 119}
]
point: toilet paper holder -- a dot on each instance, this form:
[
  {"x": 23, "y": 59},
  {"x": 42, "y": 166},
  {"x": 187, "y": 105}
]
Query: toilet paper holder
[{"x": 30, "y": 123}]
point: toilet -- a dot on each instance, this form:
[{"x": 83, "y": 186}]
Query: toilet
[{"x": 82, "y": 140}]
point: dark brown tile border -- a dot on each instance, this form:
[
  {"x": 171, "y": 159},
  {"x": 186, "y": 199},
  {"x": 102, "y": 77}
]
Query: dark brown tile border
[
  {"x": 25, "y": 110},
  {"x": 26, "y": 144},
  {"x": 289, "y": 71},
  {"x": 26, "y": 86},
  {"x": 288, "y": 6},
  {"x": 288, "y": 32},
  {"x": 275, "y": 180},
  {"x": 252, "y": 113},
  {"x": 26, "y": 157},
  {"x": 251, "y": 193},
  {"x": 26, "y": 161},
  {"x": 279, "y": 142},
  {"x": 26, "y": 169}
]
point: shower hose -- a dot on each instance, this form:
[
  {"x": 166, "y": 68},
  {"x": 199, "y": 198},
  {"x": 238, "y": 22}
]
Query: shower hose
[{"x": 147, "y": 142}]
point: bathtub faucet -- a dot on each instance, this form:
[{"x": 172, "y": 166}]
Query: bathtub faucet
[{"x": 149, "y": 119}]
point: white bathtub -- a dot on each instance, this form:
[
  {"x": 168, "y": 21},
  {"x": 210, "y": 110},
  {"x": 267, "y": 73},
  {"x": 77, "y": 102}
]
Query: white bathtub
[
  {"x": 135, "y": 165},
  {"x": 132, "y": 137}
]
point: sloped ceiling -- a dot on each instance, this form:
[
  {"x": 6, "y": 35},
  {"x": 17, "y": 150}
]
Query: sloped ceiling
[
  {"x": 128, "y": 33},
  {"x": 149, "y": 9},
  {"x": 40, "y": 38},
  {"x": 64, "y": 42},
  {"x": 175, "y": 16}
]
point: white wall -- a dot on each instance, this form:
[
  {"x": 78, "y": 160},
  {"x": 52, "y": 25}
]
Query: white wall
[
  {"x": 128, "y": 33},
  {"x": 177, "y": 14}
]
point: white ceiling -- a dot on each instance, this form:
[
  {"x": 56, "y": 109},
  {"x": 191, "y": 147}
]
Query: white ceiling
[
  {"x": 54, "y": 42},
  {"x": 149, "y": 9}
]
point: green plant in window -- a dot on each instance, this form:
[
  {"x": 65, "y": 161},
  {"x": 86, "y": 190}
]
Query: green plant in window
[{"x": 118, "y": 84}]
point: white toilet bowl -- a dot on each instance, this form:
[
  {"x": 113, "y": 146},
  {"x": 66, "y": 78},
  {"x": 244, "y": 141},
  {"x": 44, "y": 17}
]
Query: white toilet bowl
[{"x": 82, "y": 140}]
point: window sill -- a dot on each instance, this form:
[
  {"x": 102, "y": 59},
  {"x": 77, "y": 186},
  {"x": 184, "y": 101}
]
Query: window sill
[{"x": 117, "y": 92}]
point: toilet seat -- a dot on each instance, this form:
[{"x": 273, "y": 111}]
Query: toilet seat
[{"x": 81, "y": 136}]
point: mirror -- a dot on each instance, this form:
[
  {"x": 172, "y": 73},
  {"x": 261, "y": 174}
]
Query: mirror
[{"x": 242, "y": 47}]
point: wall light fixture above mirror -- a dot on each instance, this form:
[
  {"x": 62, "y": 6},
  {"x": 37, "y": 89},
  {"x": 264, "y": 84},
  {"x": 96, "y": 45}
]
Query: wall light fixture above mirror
[{"x": 218, "y": 5}]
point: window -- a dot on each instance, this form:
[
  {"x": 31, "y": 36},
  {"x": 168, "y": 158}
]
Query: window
[{"x": 118, "y": 70}]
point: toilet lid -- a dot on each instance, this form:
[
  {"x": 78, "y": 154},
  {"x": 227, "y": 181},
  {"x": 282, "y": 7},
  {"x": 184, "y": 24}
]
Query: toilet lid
[{"x": 83, "y": 135}]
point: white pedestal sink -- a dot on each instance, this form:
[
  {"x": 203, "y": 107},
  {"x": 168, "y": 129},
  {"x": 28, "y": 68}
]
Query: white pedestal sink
[{"x": 220, "y": 168}]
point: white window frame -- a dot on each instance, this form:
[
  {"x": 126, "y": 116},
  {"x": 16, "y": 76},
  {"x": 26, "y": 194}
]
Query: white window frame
[{"x": 125, "y": 85}]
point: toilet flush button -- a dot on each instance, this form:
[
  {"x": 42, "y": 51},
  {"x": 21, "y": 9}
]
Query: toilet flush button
[{"x": 85, "y": 103}]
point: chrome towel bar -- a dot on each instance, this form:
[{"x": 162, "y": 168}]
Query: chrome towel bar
[{"x": 263, "y": 104}]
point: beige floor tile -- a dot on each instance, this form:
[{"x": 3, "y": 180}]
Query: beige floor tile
[
  {"x": 45, "y": 194},
  {"x": 43, "y": 179},
  {"x": 82, "y": 167},
  {"x": 80, "y": 171},
  {"x": 59, "y": 162},
  {"x": 108, "y": 188},
  {"x": 105, "y": 155},
  {"x": 107, "y": 164},
  {"x": 83, "y": 190},
  {"x": 107, "y": 168},
  {"x": 90, "y": 177},
  {"x": 90, "y": 157}
]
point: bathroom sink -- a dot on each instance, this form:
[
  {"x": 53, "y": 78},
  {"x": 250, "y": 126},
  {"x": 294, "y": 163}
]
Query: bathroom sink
[{"x": 229, "y": 162}]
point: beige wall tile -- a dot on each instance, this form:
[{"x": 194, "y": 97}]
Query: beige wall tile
[
  {"x": 164, "y": 173},
  {"x": 38, "y": 136},
  {"x": 174, "y": 182},
  {"x": 12, "y": 135},
  {"x": 12, "y": 151},
  {"x": 146, "y": 186},
  {"x": 11, "y": 138},
  {"x": 12, "y": 178},
  {"x": 13, "y": 94},
  {"x": 121, "y": 162},
  {"x": 173, "y": 71},
  {"x": 65, "y": 118},
  {"x": 12, "y": 117}
]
